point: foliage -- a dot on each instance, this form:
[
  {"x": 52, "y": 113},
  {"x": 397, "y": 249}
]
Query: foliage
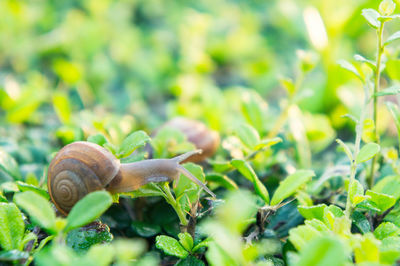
[{"x": 266, "y": 75}]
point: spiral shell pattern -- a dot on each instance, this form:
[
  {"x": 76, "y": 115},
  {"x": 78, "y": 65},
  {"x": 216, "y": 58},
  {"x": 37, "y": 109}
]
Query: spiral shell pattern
[{"x": 78, "y": 169}]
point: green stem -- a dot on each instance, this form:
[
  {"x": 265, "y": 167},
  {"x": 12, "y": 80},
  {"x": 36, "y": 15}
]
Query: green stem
[
  {"x": 353, "y": 167},
  {"x": 375, "y": 104},
  {"x": 171, "y": 200}
]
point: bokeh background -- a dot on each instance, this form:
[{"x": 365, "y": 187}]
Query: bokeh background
[{"x": 72, "y": 68}]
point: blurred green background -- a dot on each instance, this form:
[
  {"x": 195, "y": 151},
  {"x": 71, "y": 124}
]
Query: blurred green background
[{"x": 117, "y": 66}]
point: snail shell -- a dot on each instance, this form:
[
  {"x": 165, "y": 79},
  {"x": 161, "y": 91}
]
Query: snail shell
[
  {"x": 78, "y": 169},
  {"x": 197, "y": 133}
]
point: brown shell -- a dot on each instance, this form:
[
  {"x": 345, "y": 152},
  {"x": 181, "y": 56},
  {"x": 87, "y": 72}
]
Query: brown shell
[
  {"x": 196, "y": 132},
  {"x": 78, "y": 169}
]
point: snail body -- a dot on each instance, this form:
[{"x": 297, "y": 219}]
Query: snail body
[{"x": 83, "y": 167}]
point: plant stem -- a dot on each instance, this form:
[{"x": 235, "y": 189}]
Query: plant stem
[
  {"x": 375, "y": 104},
  {"x": 357, "y": 144},
  {"x": 171, "y": 200}
]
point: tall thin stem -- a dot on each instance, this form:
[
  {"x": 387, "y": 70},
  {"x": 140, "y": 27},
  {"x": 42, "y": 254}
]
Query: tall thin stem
[{"x": 375, "y": 103}]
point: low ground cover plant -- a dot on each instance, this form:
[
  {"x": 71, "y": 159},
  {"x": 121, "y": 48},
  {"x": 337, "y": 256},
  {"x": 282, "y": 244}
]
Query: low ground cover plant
[{"x": 288, "y": 185}]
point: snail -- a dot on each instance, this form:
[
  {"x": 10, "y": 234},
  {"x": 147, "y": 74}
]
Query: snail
[
  {"x": 83, "y": 167},
  {"x": 196, "y": 132}
]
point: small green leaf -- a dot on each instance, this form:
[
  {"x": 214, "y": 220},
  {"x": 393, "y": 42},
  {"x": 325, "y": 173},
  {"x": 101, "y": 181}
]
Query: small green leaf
[
  {"x": 144, "y": 229},
  {"x": 203, "y": 243},
  {"x": 300, "y": 236},
  {"x": 264, "y": 143},
  {"x": 355, "y": 191},
  {"x": 346, "y": 149},
  {"x": 247, "y": 135},
  {"x": 13, "y": 255},
  {"x": 389, "y": 185},
  {"x": 394, "y": 110},
  {"x": 290, "y": 184},
  {"x": 98, "y": 138},
  {"x": 38, "y": 208},
  {"x": 247, "y": 171},
  {"x": 81, "y": 239},
  {"x": 26, "y": 187},
  {"x": 362, "y": 59},
  {"x": 12, "y": 226},
  {"x": 88, "y": 209},
  {"x": 395, "y": 36},
  {"x": 312, "y": 212},
  {"x": 386, "y": 229},
  {"x": 190, "y": 261},
  {"x": 132, "y": 142},
  {"x": 371, "y": 16},
  {"x": 171, "y": 246},
  {"x": 222, "y": 180},
  {"x": 9, "y": 165},
  {"x": 323, "y": 251},
  {"x": 186, "y": 241},
  {"x": 361, "y": 222},
  {"x": 368, "y": 151},
  {"x": 350, "y": 67},
  {"x": 392, "y": 90},
  {"x": 382, "y": 201},
  {"x": 62, "y": 107},
  {"x": 148, "y": 190}
]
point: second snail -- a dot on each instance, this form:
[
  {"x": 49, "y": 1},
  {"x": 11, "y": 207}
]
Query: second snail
[{"x": 83, "y": 167}]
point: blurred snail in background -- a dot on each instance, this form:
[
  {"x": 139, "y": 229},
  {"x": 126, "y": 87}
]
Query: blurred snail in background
[
  {"x": 83, "y": 167},
  {"x": 197, "y": 133}
]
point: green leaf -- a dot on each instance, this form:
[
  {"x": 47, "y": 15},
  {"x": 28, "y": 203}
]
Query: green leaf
[
  {"x": 38, "y": 208},
  {"x": 367, "y": 249},
  {"x": 382, "y": 201},
  {"x": 290, "y": 184},
  {"x": 12, "y": 226},
  {"x": 203, "y": 243},
  {"x": 62, "y": 107},
  {"x": 9, "y": 165},
  {"x": 171, "y": 246},
  {"x": 362, "y": 59},
  {"x": 346, "y": 149},
  {"x": 98, "y": 138},
  {"x": 190, "y": 261},
  {"x": 300, "y": 236},
  {"x": 222, "y": 180},
  {"x": 26, "y": 187},
  {"x": 394, "y": 110},
  {"x": 264, "y": 143},
  {"x": 371, "y": 16},
  {"x": 148, "y": 190},
  {"x": 312, "y": 212},
  {"x": 132, "y": 142},
  {"x": 356, "y": 192},
  {"x": 144, "y": 229},
  {"x": 368, "y": 151},
  {"x": 81, "y": 239},
  {"x": 350, "y": 67},
  {"x": 361, "y": 222},
  {"x": 392, "y": 90},
  {"x": 247, "y": 135},
  {"x": 395, "y": 36},
  {"x": 323, "y": 251},
  {"x": 386, "y": 229},
  {"x": 13, "y": 255},
  {"x": 186, "y": 241},
  {"x": 389, "y": 185},
  {"x": 88, "y": 209},
  {"x": 247, "y": 171}
]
